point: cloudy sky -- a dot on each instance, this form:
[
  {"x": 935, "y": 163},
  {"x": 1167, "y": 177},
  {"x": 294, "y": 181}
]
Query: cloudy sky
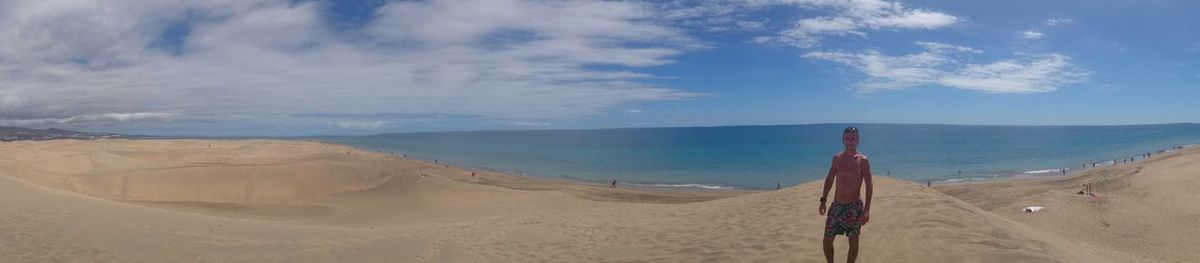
[{"x": 266, "y": 67}]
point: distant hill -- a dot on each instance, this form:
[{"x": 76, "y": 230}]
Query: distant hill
[{"x": 20, "y": 134}]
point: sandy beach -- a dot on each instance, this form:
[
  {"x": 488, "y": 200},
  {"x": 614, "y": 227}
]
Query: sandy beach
[
  {"x": 296, "y": 201},
  {"x": 1146, "y": 210}
]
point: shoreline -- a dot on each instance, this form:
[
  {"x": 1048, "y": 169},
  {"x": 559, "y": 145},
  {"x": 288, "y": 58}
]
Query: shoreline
[
  {"x": 1028, "y": 174},
  {"x": 567, "y": 179},
  {"x": 1071, "y": 171},
  {"x": 600, "y": 191},
  {"x": 596, "y": 191},
  {"x": 702, "y": 187}
]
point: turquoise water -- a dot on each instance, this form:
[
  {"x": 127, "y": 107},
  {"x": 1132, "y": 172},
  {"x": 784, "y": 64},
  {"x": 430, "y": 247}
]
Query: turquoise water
[{"x": 761, "y": 156}]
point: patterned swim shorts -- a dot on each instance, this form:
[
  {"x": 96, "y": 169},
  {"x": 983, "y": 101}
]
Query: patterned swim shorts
[{"x": 843, "y": 219}]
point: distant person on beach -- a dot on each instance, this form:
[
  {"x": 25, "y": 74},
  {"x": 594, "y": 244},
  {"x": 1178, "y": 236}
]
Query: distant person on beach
[
  {"x": 847, "y": 214},
  {"x": 614, "y": 183}
]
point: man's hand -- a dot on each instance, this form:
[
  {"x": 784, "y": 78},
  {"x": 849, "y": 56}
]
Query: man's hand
[
  {"x": 866, "y": 216},
  {"x": 822, "y": 208}
]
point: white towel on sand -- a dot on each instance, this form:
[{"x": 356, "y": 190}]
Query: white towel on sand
[{"x": 1033, "y": 209}]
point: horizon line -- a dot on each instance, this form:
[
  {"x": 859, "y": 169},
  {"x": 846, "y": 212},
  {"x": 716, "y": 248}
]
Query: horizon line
[
  {"x": 617, "y": 128},
  {"x": 764, "y": 125}
]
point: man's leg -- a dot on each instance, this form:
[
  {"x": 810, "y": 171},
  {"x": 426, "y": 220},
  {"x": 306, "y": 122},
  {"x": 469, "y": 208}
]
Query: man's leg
[
  {"x": 853, "y": 254},
  {"x": 828, "y": 245}
]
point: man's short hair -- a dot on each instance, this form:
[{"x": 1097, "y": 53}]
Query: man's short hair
[{"x": 850, "y": 130}]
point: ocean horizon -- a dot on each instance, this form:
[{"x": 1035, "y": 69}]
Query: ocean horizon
[{"x": 760, "y": 157}]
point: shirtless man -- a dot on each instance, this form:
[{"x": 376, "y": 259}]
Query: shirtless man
[{"x": 847, "y": 213}]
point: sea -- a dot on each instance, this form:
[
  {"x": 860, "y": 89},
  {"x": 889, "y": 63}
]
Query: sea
[{"x": 764, "y": 157}]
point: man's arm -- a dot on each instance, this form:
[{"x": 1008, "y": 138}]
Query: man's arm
[
  {"x": 829, "y": 179},
  {"x": 828, "y": 184},
  {"x": 866, "y": 177}
]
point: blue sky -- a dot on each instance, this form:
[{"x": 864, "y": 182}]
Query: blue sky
[{"x": 267, "y": 67}]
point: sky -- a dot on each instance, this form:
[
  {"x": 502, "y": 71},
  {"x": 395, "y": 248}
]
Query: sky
[{"x": 294, "y": 67}]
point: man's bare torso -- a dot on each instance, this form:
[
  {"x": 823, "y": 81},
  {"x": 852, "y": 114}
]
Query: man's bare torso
[{"x": 849, "y": 176}]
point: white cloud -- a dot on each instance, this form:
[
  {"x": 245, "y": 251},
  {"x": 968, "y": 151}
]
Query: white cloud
[
  {"x": 942, "y": 64},
  {"x": 257, "y": 59},
  {"x": 361, "y": 124},
  {"x": 1032, "y": 75},
  {"x": 750, "y": 25},
  {"x": 856, "y": 18},
  {"x": 941, "y": 48},
  {"x": 1058, "y": 21},
  {"x": 633, "y": 111},
  {"x": 853, "y": 17},
  {"x": 939, "y": 63},
  {"x": 529, "y": 123},
  {"x": 1030, "y": 34},
  {"x": 90, "y": 118},
  {"x": 10, "y": 101}
]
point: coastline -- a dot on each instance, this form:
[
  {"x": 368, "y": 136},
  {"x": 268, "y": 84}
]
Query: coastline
[
  {"x": 1022, "y": 175},
  {"x": 672, "y": 187},
  {"x": 568, "y": 179},
  {"x": 664, "y": 193},
  {"x": 1053, "y": 173},
  {"x": 761, "y": 157},
  {"x": 279, "y": 200}
]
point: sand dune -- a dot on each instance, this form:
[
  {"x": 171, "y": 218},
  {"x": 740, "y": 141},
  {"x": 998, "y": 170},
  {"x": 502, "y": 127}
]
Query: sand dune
[
  {"x": 258, "y": 200},
  {"x": 190, "y": 171},
  {"x": 1147, "y": 209}
]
